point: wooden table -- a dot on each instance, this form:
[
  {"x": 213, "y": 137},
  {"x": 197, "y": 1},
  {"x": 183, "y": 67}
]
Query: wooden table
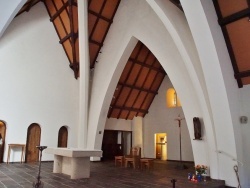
[{"x": 15, "y": 146}]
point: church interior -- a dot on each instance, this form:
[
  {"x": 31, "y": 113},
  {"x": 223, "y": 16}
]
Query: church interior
[{"x": 169, "y": 77}]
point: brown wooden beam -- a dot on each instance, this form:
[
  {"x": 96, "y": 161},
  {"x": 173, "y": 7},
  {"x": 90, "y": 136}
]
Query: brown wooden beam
[
  {"x": 242, "y": 74},
  {"x": 70, "y": 35},
  {"x": 228, "y": 43},
  {"x": 73, "y": 39},
  {"x": 138, "y": 88},
  {"x": 146, "y": 65},
  {"x": 234, "y": 17},
  {"x": 95, "y": 42},
  {"x": 100, "y": 16},
  {"x": 59, "y": 11},
  {"x": 130, "y": 109}
]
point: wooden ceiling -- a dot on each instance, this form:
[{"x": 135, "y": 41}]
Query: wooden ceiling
[
  {"x": 233, "y": 17},
  {"x": 142, "y": 75},
  {"x": 138, "y": 85}
]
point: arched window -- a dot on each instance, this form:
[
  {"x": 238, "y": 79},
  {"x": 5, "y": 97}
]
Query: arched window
[{"x": 172, "y": 98}]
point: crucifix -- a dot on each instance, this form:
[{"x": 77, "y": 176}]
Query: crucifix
[{"x": 179, "y": 119}]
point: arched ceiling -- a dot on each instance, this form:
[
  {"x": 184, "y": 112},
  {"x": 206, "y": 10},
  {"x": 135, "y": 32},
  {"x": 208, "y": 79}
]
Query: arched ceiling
[{"x": 143, "y": 74}]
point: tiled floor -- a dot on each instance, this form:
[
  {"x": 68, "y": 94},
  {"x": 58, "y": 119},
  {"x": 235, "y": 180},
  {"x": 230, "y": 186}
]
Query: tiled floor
[{"x": 103, "y": 175}]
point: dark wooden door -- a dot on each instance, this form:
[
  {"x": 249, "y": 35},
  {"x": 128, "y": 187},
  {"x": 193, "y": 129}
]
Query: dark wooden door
[
  {"x": 33, "y": 140},
  {"x": 110, "y": 147},
  {"x": 63, "y": 137},
  {"x": 2, "y": 132}
]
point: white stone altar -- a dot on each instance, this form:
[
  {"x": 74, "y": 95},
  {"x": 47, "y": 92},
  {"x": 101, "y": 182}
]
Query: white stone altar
[{"x": 73, "y": 161}]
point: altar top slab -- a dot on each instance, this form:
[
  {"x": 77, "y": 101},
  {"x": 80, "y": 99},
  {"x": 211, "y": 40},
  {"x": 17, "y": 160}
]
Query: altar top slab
[{"x": 74, "y": 152}]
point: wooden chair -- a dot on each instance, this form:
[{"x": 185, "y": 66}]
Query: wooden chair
[
  {"x": 134, "y": 157},
  {"x": 119, "y": 159},
  {"x": 147, "y": 163}
]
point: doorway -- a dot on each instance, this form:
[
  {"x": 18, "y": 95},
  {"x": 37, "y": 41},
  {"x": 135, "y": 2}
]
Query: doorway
[
  {"x": 62, "y": 137},
  {"x": 33, "y": 140},
  {"x": 116, "y": 143},
  {"x": 2, "y": 141},
  {"x": 161, "y": 146}
]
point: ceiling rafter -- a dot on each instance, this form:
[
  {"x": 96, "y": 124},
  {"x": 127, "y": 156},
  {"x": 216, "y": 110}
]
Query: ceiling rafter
[
  {"x": 137, "y": 88},
  {"x": 242, "y": 74},
  {"x": 99, "y": 24},
  {"x": 135, "y": 80},
  {"x": 130, "y": 109},
  {"x": 148, "y": 66},
  {"x": 63, "y": 15},
  {"x": 59, "y": 11},
  {"x": 234, "y": 17},
  {"x": 138, "y": 84},
  {"x": 154, "y": 61},
  {"x": 130, "y": 69},
  {"x": 229, "y": 20}
]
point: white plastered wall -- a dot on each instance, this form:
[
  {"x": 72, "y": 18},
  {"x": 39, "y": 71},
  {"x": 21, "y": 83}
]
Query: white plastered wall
[
  {"x": 180, "y": 61},
  {"x": 161, "y": 119},
  {"x": 36, "y": 83}
]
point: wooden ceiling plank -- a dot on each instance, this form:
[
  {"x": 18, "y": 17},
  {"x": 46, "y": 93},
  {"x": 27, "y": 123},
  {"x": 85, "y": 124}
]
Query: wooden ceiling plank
[
  {"x": 138, "y": 88},
  {"x": 139, "y": 73},
  {"x": 100, "y": 16},
  {"x": 144, "y": 82},
  {"x": 118, "y": 95},
  {"x": 128, "y": 75},
  {"x": 130, "y": 109},
  {"x": 228, "y": 43},
  {"x": 97, "y": 20},
  {"x": 58, "y": 12},
  {"x": 48, "y": 10},
  {"x": 61, "y": 21},
  {"x": 146, "y": 65},
  {"x": 148, "y": 94}
]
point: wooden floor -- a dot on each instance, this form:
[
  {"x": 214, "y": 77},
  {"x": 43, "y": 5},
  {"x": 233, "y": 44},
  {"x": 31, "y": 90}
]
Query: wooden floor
[{"x": 103, "y": 175}]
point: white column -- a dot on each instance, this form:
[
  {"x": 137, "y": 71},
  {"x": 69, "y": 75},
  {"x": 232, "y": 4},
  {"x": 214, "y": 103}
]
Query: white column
[
  {"x": 84, "y": 73},
  {"x": 137, "y": 139}
]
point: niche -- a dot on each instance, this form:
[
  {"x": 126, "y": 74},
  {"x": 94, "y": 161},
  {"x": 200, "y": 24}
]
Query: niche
[{"x": 197, "y": 128}]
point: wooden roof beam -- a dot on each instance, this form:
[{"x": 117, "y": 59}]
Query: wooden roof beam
[
  {"x": 130, "y": 109},
  {"x": 100, "y": 16},
  {"x": 234, "y": 17},
  {"x": 242, "y": 74},
  {"x": 146, "y": 65},
  {"x": 59, "y": 11},
  {"x": 138, "y": 88}
]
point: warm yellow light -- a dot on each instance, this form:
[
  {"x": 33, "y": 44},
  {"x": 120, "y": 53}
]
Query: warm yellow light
[{"x": 172, "y": 98}]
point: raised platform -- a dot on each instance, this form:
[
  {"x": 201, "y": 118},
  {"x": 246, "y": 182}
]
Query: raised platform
[{"x": 73, "y": 161}]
